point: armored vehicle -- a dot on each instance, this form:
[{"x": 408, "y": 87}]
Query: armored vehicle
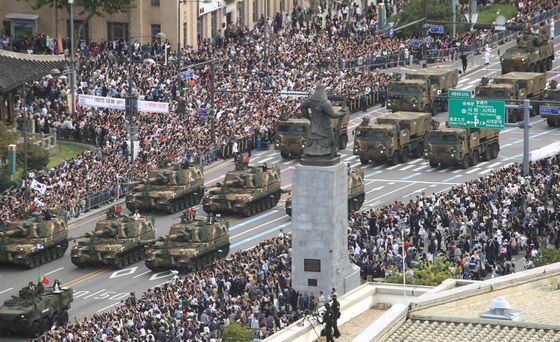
[
  {"x": 289, "y": 138},
  {"x": 115, "y": 242},
  {"x": 514, "y": 86},
  {"x": 394, "y": 138},
  {"x": 533, "y": 52},
  {"x": 34, "y": 241},
  {"x": 421, "y": 90},
  {"x": 290, "y": 133},
  {"x": 190, "y": 245},
  {"x": 35, "y": 310},
  {"x": 169, "y": 189},
  {"x": 550, "y": 111},
  {"x": 464, "y": 147},
  {"x": 356, "y": 192},
  {"x": 247, "y": 190}
]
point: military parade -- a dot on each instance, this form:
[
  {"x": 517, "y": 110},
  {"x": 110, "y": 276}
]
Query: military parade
[{"x": 278, "y": 170}]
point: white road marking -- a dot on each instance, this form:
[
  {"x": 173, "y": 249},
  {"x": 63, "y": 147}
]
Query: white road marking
[
  {"x": 473, "y": 170},
  {"x": 421, "y": 167},
  {"x": 257, "y": 227},
  {"x": 407, "y": 167},
  {"x": 141, "y": 274},
  {"x": 393, "y": 167},
  {"x": 414, "y": 161},
  {"x": 108, "y": 307},
  {"x": 375, "y": 189},
  {"x": 289, "y": 162},
  {"x": 354, "y": 165},
  {"x": 390, "y": 192},
  {"x": 266, "y": 159},
  {"x": 474, "y": 81},
  {"x": 51, "y": 272},
  {"x": 493, "y": 165},
  {"x": 444, "y": 170},
  {"x": 457, "y": 171},
  {"x": 463, "y": 80},
  {"x": 6, "y": 290},
  {"x": 347, "y": 159},
  {"x": 483, "y": 163},
  {"x": 378, "y": 167},
  {"x": 486, "y": 171}
]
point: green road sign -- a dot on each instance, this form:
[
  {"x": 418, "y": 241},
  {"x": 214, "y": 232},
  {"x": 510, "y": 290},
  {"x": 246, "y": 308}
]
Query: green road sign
[
  {"x": 457, "y": 93},
  {"x": 477, "y": 113}
]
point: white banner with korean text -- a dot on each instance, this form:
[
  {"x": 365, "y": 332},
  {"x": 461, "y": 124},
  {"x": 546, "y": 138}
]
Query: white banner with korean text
[{"x": 119, "y": 104}]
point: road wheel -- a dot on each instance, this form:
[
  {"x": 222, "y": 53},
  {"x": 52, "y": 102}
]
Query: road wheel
[
  {"x": 495, "y": 151},
  {"x": 119, "y": 262},
  {"x": 549, "y": 64},
  {"x": 475, "y": 158},
  {"x": 488, "y": 153},
  {"x": 404, "y": 155},
  {"x": 55, "y": 319},
  {"x": 434, "y": 164},
  {"x": 428, "y": 109},
  {"x": 63, "y": 318},
  {"x": 466, "y": 162},
  {"x": 419, "y": 150},
  {"x": 45, "y": 324},
  {"x": 342, "y": 141},
  {"x": 36, "y": 329},
  {"x": 284, "y": 155},
  {"x": 363, "y": 161}
]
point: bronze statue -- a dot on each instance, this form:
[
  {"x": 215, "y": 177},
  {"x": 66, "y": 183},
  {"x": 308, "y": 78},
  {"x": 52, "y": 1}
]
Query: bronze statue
[{"x": 321, "y": 143}]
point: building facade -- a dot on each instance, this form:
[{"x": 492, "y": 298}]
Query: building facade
[{"x": 184, "y": 22}]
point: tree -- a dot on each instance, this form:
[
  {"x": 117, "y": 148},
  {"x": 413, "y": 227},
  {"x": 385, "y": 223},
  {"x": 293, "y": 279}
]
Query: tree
[
  {"x": 7, "y": 137},
  {"x": 436, "y": 10},
  {"x": 547, "y": 256},
  {"x": 426, "y": 274},
  {"x": 37, "y": 157},
  {"x": 89, "y": 8},
  {"x": 236, "y": 332}
]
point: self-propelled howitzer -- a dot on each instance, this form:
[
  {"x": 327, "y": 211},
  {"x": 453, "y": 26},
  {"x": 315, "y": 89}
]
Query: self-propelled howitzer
[
  {"x": 34, "y": 241},
  {"x": 190, "y": 245},
  {"x": 115, "y": 242}
]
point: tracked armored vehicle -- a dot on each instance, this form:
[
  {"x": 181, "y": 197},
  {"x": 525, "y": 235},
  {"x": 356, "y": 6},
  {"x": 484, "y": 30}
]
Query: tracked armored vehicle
[
  {"x": 115, "y": 242},
  {"x": 169, "y": 190},
  {"x": 248, "y": 190},
  {"x": 190, "y": 245},
  {"x": 35, "y": 310},
  {"x": 356, "y": 192},
  {"x": 534, "y": 52},
  {"x": 35, "y": 241}
]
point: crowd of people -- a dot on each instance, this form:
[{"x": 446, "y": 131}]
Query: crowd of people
[{"x": 480, "y": 226}]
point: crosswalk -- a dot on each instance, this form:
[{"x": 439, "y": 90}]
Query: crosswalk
[{"x": 412, "y": 168}]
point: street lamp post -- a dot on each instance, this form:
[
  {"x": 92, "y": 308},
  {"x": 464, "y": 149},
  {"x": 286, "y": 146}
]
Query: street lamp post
[{"x": 72, "y": 57}]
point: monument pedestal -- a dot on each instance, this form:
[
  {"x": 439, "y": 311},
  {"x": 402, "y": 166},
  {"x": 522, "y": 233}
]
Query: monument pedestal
[{"x": 320, "y": 258}]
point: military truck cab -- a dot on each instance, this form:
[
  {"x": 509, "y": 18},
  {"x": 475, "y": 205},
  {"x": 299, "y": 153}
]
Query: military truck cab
[
  {"x": 549, "y": 111},
  {"x": 289, "y": 137}
]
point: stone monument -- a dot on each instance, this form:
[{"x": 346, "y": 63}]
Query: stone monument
[{"x": 320, "y": 258}]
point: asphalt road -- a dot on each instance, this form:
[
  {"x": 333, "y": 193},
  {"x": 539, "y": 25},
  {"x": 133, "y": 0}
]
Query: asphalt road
[{"x": 97, "y": 290}]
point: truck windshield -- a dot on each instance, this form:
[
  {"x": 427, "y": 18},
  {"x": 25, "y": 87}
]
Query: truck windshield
[
  {"x": 491, "y": 93},
  {"x": 441, "y": 138},
  {"x": 403, "y": 89},
  {"x": 290, "y": 129},
  {"x": 370, "y": 134}
]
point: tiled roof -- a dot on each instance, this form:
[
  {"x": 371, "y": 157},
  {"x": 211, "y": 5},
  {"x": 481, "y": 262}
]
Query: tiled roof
[
  {"x": 414, "y": 330},
  {"x": 20, "y": 67}
]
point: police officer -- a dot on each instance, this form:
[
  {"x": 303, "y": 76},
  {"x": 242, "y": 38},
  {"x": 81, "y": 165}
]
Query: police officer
[
  {"x": 328, "y": 322},
  {"x": 336, "y": 315}
]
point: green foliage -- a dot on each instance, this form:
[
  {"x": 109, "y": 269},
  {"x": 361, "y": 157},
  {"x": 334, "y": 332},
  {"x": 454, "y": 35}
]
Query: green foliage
[
  {"x": 5, "y": 181},
  {"x": 37, "y": 157},
  {"x": 6, "y": 138},
  {"x": 436, "y": 10},
  {"x": 235, "y": 332},
  {"x": 64, "y": 152},
  {"x": 426, "y": 274},
  {"x": 547, "y": 256},
  {"x": 488, "y": 14}
]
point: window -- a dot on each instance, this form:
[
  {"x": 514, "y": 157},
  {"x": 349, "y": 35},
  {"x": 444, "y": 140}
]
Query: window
[
  {"x": 155, "y": 2},
  {"x": 77, "y": 23},
  {"x": 185, "y": 36},
  {"x": 117, "y": 31},
  {"x": 214, "y": 24},
  {"x": 311, "y": 282},
  {"x": 155, "y": 29}
]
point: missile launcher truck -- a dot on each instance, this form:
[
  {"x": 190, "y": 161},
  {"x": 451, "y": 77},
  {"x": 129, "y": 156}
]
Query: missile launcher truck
[
  {"x": 458, "y": 146},
  {"x": 421, "y": 90},
  {"x": 394, "y": 138}
]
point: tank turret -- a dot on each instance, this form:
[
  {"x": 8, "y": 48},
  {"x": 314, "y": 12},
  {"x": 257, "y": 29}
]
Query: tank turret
[
  {"x": 533, "y": 52},
  {"x": 168, "y": 189}
]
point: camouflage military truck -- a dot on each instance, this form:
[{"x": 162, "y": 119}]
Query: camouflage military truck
[
  {"x": 115, "y": 242},
  {"x": 549, "y": 111},
  {"x": 248, "y": 190},
  {"x": 290, "y": 134},
  {"x": 35, "y": 241},
  {"x": 534, "y": 52},
  {"x": 168, "y": 190},
  {"x": 35, "y": 310},
  {"x": 514, "y": 86},
  {"x": 356, "y": 192},
  {"x": 421, "y": 90},
  {"x": 190, "y": 245},
  {"x": 394, "y": 137},
  {"x": 451, "y": 146}
]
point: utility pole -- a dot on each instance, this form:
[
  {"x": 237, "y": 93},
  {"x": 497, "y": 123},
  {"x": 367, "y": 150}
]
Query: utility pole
[
  {"x": 526, "y": 124},
  {"x": 131, "y": 104},
  {"x": 72, "y": 57},
  {"x": 212, "y": 103},
  {"x": 454, "y": 8},
  {"x": 24, "y": 109}
]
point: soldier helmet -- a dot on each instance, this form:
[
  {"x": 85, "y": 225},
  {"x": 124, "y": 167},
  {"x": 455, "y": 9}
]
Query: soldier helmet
[{"x": 327, "y": 306}]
